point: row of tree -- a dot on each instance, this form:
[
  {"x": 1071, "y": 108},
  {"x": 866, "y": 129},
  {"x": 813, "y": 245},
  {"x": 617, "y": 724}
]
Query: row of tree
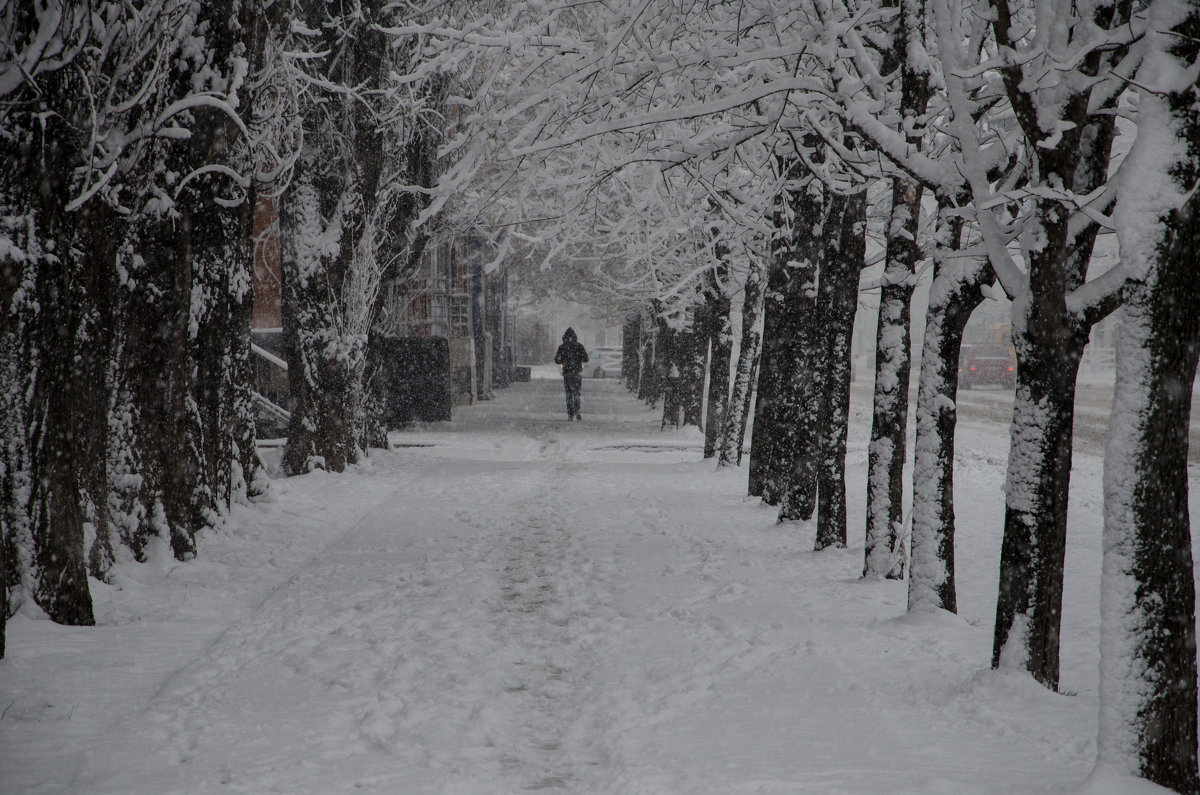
[
  {"x": 990, "y": 143},
  {"x": 138, "y": 138},
  {"x": 670, "y": 156}
]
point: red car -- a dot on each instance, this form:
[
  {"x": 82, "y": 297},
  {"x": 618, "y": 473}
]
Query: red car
[{"x": 987, "y": 370}]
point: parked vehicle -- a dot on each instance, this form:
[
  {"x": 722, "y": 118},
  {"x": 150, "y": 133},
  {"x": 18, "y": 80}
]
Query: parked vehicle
[
  {"x": 986, "y": 368},
  {"x": 605, "y": 362}
]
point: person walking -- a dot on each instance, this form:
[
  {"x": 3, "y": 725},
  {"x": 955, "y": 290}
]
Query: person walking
[{"x": 571, "y": 357}]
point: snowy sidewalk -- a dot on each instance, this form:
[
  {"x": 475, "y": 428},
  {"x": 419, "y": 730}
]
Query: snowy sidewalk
[{"x": 511, "y": 602}]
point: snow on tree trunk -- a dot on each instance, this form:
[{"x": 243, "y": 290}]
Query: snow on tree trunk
[
  {"x": 669, "y": 351},
  {"x": 719, "y": 332},
  {"x": 158, "y": 329},
  {"x": 772, "y": 361},
  {"x": 788, "y": 434},
  {"x": 884, "y": 553},
  {"x": 61, "y": 445},
  {"x": 18, "y": 270},
  {"x": 953, "y": 295},
  {"x": 841, "y": 267},
  {"x": 733, "y": 431},
  {"x": 72, "y": 292},
  {"x": 236, "y": 39},
  {"x": 335, "y": 226},
  {"x": 323, "y": 362},
  {"x": 795, "y": 465},
  {"x": 649, "y": 381},
  {"x": 631, "y": 346},
  {"x": 1029, "y": 604},
  {"x": 1049, "y": 336},
  {"x": 97, "y": 233},
  {"x": 693, "y": 366},
  {"x": 1148, "y": 690},
  {"x": 1148, "y": 668},
  {"x": 15, "y": 266}
]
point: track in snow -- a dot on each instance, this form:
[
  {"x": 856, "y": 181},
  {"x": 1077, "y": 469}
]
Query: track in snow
[{"x": 513, "y": 603}]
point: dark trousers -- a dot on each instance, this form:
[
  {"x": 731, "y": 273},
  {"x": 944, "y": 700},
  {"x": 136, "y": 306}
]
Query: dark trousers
[{"x": 573, "y": 382}]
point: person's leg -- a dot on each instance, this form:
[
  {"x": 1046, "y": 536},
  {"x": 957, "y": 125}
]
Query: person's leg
[{"x": 573, "y": 384}]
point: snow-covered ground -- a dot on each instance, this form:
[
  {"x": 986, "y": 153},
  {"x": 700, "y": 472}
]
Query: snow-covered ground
[{"x": 512, "y": 602}]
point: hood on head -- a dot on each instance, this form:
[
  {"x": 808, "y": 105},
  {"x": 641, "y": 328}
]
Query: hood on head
[{"x": 569, "y": 335}]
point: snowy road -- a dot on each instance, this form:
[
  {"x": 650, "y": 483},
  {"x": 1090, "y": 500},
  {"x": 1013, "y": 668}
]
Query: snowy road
[
  {"x": 513, "y": 603},
  {"x": 1093, "y": 405}
]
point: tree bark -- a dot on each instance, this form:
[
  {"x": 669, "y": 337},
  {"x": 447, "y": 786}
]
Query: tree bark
[
  {"x": 786, "y": 471},
  {"x": 650, "y": 381},
  {"x": 770, "y": 377},
  {"x": 733, "y": 432},
  {"x": 321, "y": 362},
  {"x": 884, "y": 551},
  {"x": 1029, "y": 605},
  {"x": 795, "y": 462},
  {"x": 631, "y": 346},
  {"x": 1049, "y": 341},
  {"x": 1148, "y": 671},
  {"x": 668, "y": 351},
  {"x": 838, "y": 294},
  {"x": 66, "y": 468},
  {"x": 719, "y": 333},
  {"x": 329, "y": 292},
  {"x": 62, "y": 445},
  {"x": 885, "y": 554},
  {"x": 1148, "y": 689},
  {"x": 693, "y": 361},
  {"x": 953, "y": 296}
]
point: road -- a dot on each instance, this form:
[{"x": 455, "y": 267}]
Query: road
[{"x": 1093, "y": 403}]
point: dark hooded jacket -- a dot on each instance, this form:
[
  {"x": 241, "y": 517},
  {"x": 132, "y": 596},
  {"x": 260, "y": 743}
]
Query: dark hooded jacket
[{"x": 570, "y": 354}]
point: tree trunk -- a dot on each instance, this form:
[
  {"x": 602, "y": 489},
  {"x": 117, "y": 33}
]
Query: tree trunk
[
  {"x": 790, "y": 318},
  {"x": 631, "y": 346},
  {"x": 771, "y": 369},
  {"x": 1148, "y": 691},
  {"x": 329, "y": 291},
  {"x": 884, "y": 554},
  {"x": 1148, "y": 671},
  {"x": 321, "y": 360},
  {"x": 756, "y": 341},
  {"x": 1049, "y": 340},
  {"x": 693, "y": 366},
  {"x": 650, "y": 382},
  {"x": 719, "y": 333},
  {"x": 668, "y": 352},
  {"x": 953, "y": 296},
  {"x": 71, "y": 294},
  {"x": 840, "y": 270},
  {"x": 733, "y": 432},
  {"x": 62, "y": 447},
  {"x": 1029, "y": 605},
  {"x": 224, "y": 257},
  {"x": 14, "y": 376},
  {"x": 795, "y": 463}
]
